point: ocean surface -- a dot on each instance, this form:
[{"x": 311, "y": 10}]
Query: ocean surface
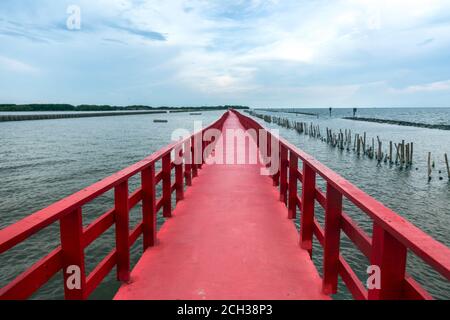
[
  {"x": 421, "y": 115},
  {"x": 44, "y": 161}
]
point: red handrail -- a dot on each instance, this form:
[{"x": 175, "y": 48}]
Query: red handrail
[
  {"x": 392, "y": 234},
  {"x": 75, "y": 238}
]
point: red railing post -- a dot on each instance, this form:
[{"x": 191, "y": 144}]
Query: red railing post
[
  {"x": 188, "y": 162},
  {"x": 257, "y": 137},
  {"x": 293, "y": 177},
  {"x": 148, "y": 206},
  {"x": 71, "y": 233},
  {"x": 166, "y": 186},
  {"x": 307, "y": 210},
  {"x": 194, "y": 158},
  {"x": 284, "y": 162},
  {"x": 390, "y": 256},
  {"x": 201, "y": 145},
  {"x": 122, "y": 231},
  {"x": 275, "y": 157},
  {"x": 333, "y": 212},
  {"x": 269, "y": 148},
  {"x": 179, "y": 176}
]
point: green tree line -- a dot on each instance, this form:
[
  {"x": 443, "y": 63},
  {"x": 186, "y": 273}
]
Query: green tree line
[{"x": 85, "y": 107}]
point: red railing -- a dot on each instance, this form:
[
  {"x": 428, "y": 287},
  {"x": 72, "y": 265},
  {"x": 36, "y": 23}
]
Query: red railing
[
  {"x": 392, "y": 235},
  {"x": 75, "y": 238}
]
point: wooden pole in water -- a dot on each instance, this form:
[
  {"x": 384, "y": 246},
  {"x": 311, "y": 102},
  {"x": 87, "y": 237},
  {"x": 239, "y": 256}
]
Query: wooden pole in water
[
  {"x": 429, "y": 166},
  {"x": 448, "y": 168},
  {"x": 397, "y": 155},
  {"x": 364, "y": 143},
  {"x": 358, "y": 147},
  {"x": 411, "y": 156},
  {"x": 390, "y": 152},
  {"x": 403, "y": 152},
  {"x": 407, "y": 154},
  {"x": 379, "y": 156},
  {"x": 373, "y": 148}
]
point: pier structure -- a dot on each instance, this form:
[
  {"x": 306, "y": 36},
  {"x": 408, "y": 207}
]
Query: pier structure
[{"x": 231, "y": 234}]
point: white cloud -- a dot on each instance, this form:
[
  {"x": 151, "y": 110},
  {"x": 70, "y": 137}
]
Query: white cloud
[
  {"x": 427, "y": 87},
  {"x": 219, "y": 48},
  {"x": 16, "y": 65}
]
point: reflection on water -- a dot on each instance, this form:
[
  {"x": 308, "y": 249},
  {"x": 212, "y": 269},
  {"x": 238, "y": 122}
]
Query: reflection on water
[{"x": 43, "y": 161}]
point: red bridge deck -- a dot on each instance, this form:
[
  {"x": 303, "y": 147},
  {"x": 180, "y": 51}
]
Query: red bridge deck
[
  {"x": 226, "y": 240},
  {"x": 229, "y": 236}
]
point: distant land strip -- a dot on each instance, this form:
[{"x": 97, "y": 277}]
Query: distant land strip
[
  {"x": 88, "y": 107},
  {"x": 402, "y": 123},
  {"x": 96, "y": 111},
  {"x": 294, "y": 112},
  {"x": 29, "y": 117}
]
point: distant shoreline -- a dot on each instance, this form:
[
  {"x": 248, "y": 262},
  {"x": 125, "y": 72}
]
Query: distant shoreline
[
  {"x": 401, "y": 123},
  {"x": 90, "y": 108},
  {"x": 30, "y": 117},
  {"x": 42, "y": 115}
]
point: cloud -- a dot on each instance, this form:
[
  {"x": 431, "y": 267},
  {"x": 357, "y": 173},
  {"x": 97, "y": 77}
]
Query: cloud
[
  {"x": 425, "y": 42},
  {"x": 149, "y": 35},
  {"x": 16, "y": 65},
  {"x": 208, "y": 51},
  {"x": 427, "y": 87}
]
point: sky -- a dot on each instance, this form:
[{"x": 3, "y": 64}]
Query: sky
[{"x": 260, "y": 53}]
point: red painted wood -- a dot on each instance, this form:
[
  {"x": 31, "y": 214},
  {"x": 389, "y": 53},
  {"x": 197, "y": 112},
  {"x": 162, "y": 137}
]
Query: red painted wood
[
  {"x": 149, "y": 207},
  {"x": 158, "y": 177},
  {"x": 390, "y": 255},
  {"x": 135, "y": 234},
  {"x": 274, "y": 157},
  {"x": 351, "y": 280},
  {"x": 307, "y": 216},
  {"x": 292, "y": 203},
  {"x": 166, "y": 187},
  {"x": 135, "y": 198},
  {"x": 188, "y": 163},
  {"x": 179, "y": 182},
  {"x": 356, "y": 235},
  {"x": 122, "y": 227},
  {"x": 101, "y": 271},
  {"x": 332, "y": 240},
  {"x": 284, "y": 163},
  {"x": 431, "y": 251},
  {"x": 320, "y": 197},
  {"x": 37, "y": 275},
  {"x": 23, "y": 286},
  {"x": 71, "y": 231},
  {"x": 98, "y": 227},
  {"x": 396, "y": 233},
  {"x": 194, "y": 151},
  {"x": 159, "y": 204},
  {"x": 269, "y": 148},
  {"x": 414, "y": 291},
  {"x": 205, "y": 254}
]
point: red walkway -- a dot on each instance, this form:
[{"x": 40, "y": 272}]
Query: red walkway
[{"x": 228, "y": 239}]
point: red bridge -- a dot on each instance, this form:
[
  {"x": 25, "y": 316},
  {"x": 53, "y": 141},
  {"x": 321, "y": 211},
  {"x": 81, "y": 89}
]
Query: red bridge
[{"x": 231, "y": 235}]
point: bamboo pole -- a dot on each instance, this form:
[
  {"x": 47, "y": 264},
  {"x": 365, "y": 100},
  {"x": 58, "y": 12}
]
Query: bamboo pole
[
  {"x": 429, "y": 166},
  {"x": 446, "y": 163},
  {"x": 364, "y": 143},
  {"x": 407, "y": 154},
  {"x": 390, "y": 152},
  {"x": 397, "y": 153}
]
